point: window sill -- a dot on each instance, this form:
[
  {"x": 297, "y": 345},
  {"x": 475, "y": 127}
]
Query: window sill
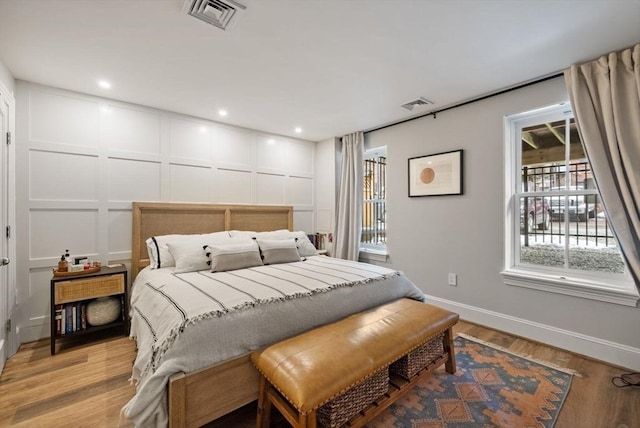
[
  {"x": 367, "y": 254},
  {"x": 584, "y": 288}
]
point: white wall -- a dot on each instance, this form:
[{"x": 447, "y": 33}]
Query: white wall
[
  {"x": 82, "y": 160},
  {"x": 432, "y": 236},
  {"x": 7, "y": 80}
]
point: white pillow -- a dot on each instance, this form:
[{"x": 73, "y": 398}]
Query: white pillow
[
  {"x": 231, "y": 256},
  {"x": 243, "y": 233},
  {"x": 190, "y": 254},
  {"x": 159, "y": 255},
  {"x": 278, "y": 251},
  {"x": 305, "y": 247}
]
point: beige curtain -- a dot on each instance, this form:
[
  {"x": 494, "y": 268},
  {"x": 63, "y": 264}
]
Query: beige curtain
[
  {"x": 605, "y": 96},
  {"x": 349, "y": 210}
]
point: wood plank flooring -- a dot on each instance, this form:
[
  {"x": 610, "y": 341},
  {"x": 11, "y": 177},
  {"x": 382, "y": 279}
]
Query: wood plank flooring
[{"x": 86, "y": 385}]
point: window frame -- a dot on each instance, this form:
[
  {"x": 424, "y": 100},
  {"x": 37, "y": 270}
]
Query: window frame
[
  {"x": 601, "y": 286},
  {"x": 375, "y": 252}
]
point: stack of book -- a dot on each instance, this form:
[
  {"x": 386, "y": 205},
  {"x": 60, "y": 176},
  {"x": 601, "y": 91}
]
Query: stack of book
[{"x": 71, "y": 317}]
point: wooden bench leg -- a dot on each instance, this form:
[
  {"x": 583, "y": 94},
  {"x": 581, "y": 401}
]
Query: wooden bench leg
[
  {"x": 264, "y": 404},
  {"x": 309, "y": 420},
  {"x": 450, "y": 365}
]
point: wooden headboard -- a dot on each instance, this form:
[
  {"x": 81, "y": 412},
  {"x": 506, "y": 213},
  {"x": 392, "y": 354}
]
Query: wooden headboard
[{"x": 164, "y": 218}]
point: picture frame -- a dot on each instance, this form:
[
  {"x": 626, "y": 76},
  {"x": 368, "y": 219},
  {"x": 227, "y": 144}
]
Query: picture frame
[{"x": 436, "y": 175}]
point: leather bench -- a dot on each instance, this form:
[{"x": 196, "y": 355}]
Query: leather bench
[{"x": 305, "y": 372}]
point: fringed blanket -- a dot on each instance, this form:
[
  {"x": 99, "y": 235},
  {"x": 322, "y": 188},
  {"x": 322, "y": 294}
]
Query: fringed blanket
[{"x": 184, "y": 322}]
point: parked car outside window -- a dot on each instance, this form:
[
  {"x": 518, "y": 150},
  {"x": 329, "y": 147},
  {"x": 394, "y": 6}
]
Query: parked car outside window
[
  {"x": 538, "y": 214},
  {"x": 580, "y": 207}
]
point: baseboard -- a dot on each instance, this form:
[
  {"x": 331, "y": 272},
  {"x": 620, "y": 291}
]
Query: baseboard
[
  {"x": 32, "y": 333},
  {"x": 592, "y": 347}
]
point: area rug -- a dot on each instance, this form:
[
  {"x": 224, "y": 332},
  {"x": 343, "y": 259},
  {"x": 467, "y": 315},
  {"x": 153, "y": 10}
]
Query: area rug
[{"x": 491, "y": 388}]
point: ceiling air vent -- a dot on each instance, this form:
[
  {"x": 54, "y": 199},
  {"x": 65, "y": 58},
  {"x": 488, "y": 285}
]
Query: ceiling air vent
[
  {"x": 219, "y": 13},
  {"x": 420, "y": 102}
]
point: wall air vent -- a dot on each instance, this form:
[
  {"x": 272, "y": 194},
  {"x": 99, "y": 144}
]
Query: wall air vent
[
  {"x": 219, "y": 13},
  {"x": 420, "y": 102}
]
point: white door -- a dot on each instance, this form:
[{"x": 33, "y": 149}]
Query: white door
[{"x": 4, "y": 248}]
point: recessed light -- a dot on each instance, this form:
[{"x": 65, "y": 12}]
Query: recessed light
[
  {"x": 271, "y": 141},
  {"x": 104, "y": 84},
  {"x": 298, "y": 130},
  {"x": 222, "y": 113}
]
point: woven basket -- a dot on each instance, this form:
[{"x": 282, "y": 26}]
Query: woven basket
[
  {"x": 103, "y": 311},
  {"x": 342, "y": 408},
  {"x": 416, "y": 360}
]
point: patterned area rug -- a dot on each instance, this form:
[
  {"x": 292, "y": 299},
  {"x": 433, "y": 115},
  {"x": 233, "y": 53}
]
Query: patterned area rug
[{"x": 491, "y": 388}]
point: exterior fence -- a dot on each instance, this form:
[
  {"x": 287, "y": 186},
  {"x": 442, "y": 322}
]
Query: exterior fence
[{"x": 555, "y": 218}]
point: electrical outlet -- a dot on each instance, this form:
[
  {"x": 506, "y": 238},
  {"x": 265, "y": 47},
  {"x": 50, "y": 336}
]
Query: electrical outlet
[{"x": 453, "y": 279}]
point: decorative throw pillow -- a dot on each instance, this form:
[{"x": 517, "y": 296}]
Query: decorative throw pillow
[
  {"x": 159, "y": 254},
  {"x": 232, "y": 256},
  {"x": 305, "y": 247},
  {"x": 278, "y": 251}
]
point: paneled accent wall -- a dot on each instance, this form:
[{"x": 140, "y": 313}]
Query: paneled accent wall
[{"x": 81, "y": 160}]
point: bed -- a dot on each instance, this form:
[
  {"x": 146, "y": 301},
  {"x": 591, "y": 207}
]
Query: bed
[{"x": 193, "y": 362}]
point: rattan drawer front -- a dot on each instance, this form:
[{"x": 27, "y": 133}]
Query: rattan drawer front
[{"x": 81, "y": 289}]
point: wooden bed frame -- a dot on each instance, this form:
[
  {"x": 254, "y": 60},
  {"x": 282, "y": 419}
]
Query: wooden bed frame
[{"x": 197, "y": 398}]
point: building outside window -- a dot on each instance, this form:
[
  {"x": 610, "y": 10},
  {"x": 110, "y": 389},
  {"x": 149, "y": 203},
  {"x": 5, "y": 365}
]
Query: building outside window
[
  {"x": 557, "y": 235},
  {"x": 374, "y": 210}
]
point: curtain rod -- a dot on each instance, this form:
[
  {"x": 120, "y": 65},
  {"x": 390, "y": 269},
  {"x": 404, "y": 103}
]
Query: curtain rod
[{"x": 484, "y": 97}]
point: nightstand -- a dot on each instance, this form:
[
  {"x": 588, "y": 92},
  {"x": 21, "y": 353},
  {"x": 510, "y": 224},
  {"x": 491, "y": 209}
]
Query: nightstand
[{"x": 71, "y": 294}]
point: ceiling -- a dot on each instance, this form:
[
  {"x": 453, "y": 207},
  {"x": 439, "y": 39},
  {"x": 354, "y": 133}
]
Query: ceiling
[{"x": 330, "y": 67}]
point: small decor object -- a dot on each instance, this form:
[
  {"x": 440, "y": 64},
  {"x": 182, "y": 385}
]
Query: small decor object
[
  {"x": 63, "y": 265},
  {"x": 103, "y": 311},
  {"x": 438, "y": 174}
]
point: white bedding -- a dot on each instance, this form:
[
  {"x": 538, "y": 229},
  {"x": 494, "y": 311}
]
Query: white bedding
[{"x": 184, "y": 322}]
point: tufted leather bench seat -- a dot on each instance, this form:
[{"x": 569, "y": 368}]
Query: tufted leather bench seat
[{"x": 301, "y": 374}]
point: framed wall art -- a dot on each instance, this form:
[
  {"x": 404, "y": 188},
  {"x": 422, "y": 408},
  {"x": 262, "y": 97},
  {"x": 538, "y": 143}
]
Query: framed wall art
[{"x": 435, "y": 175}]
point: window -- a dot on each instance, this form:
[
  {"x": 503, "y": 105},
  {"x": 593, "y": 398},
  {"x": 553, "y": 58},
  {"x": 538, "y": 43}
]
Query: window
[
  {"x": 557, "y": 235},
  {"x": 373, "y": 238}
]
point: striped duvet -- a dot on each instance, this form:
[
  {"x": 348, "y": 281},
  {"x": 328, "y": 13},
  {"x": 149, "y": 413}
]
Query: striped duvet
[{"x": 184, "y": 322}]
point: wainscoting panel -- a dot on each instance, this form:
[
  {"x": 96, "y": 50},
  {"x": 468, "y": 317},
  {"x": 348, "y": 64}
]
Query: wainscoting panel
[
  {"x": 130, "y": 129},
  {"x": 299, "y": 191},
  {"x": 54, "y": 230},
  {"x": 232, "y": 187},
  {"x": 190, "y": 183},
  {"x": 62, "y": 176},
  {"x": 270, "y": 154},
  {"x": 233, "y": 147},
  {"x": 132, "y": 180},
  {"x": 303, "y": 220},
  {"x": 119, "y": 231},
  {"x": 66, "y": 118},
  {"x": 190, "y": 139},
  {"x": 270, "y": 188},
  {"x": 300, "y": 158}
]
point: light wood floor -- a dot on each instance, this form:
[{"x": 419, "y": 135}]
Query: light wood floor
[{"x": 86, "y": 385}]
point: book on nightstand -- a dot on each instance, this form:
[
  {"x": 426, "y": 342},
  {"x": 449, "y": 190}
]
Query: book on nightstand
[
  {"x": 69, "y": 319},
  {"x": 58, "y": 317}
]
